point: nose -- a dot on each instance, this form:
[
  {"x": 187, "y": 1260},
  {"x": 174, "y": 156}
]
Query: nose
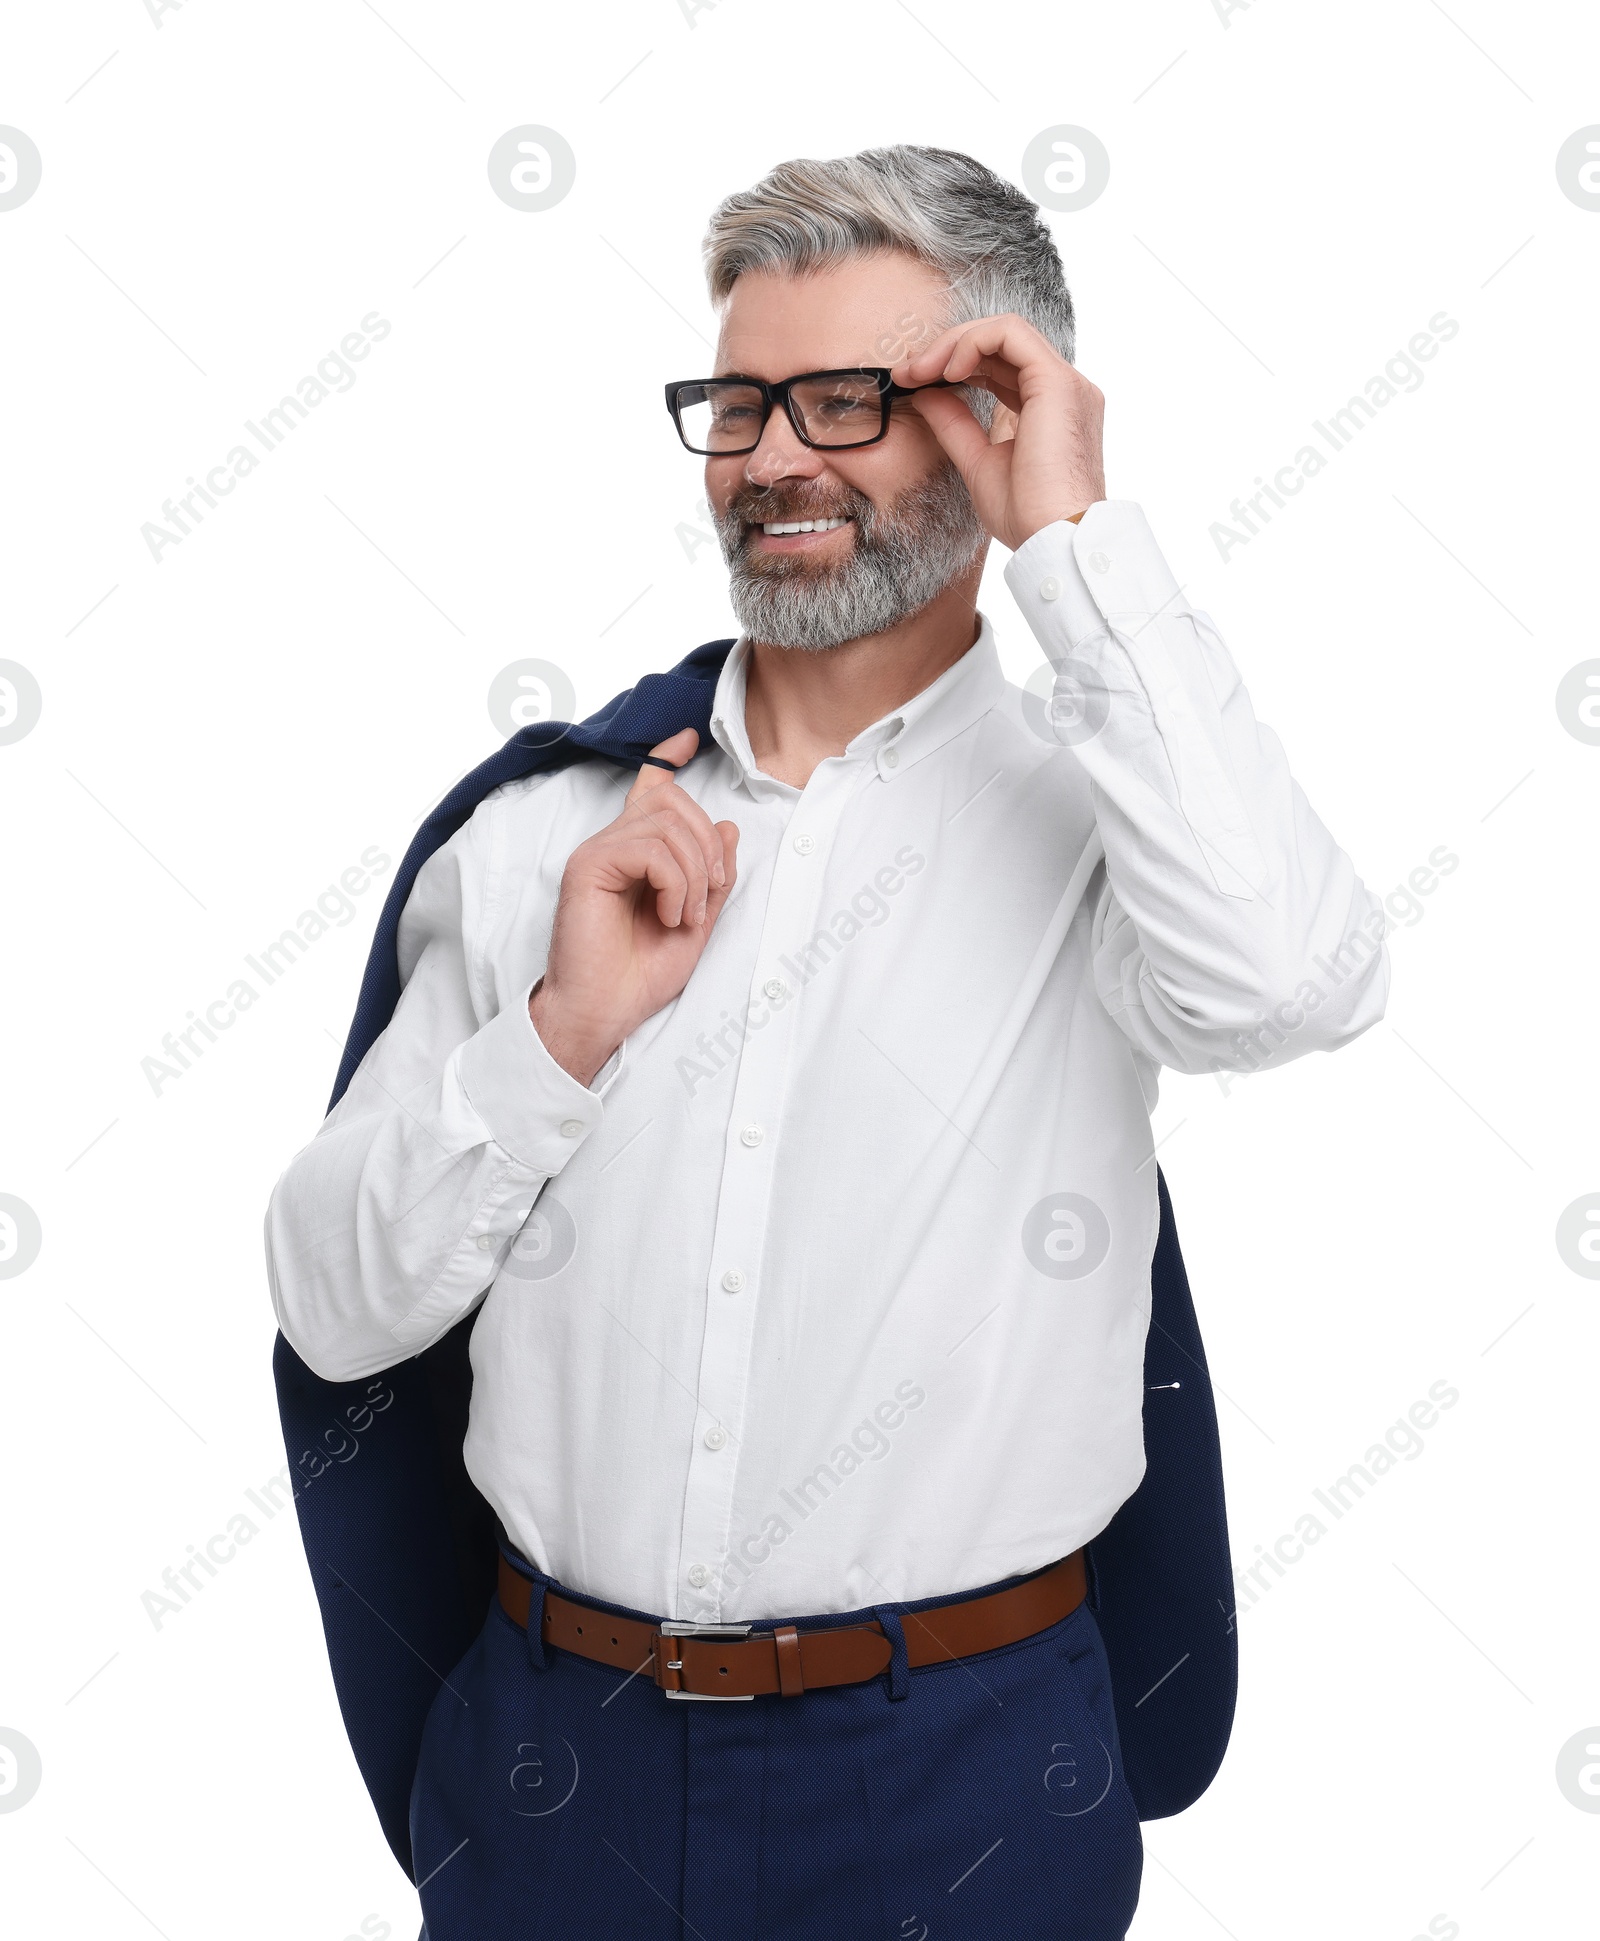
[{"x": 781, "y": 455}]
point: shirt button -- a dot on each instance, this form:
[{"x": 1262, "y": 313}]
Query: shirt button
[
  {"x": 775, "y": 987},
  {"x": 485, "y": 1243},
  {"x": 572, "y": 1128},
  {"x": 804, "y": 845},
  {"x": 733, "y": 1280},
  {"x": 891, "y": 758},
  {"x": 1050, "y": 589},
  {"x": 1100, "y": 562},
  {"x": 715, "y": 1438},
  {"x": 751, "y": 1136},
  {"x": 699, "y": 1576}
]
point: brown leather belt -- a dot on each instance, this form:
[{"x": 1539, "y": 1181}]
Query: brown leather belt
[{"x": 735, "y": 1661}]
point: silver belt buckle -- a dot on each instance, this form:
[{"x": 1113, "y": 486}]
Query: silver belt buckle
[{"x": 671, "y": 1628}]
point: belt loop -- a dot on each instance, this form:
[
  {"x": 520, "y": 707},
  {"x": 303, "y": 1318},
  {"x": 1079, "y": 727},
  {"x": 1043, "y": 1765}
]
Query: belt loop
[
  {"x": 899, "y": 1672},
  {"x": 536, "y": 1653},
  {"x": 791, "y": 1670}
]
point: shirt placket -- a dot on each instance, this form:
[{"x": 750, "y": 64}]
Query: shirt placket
[{"x": 774, "y": 1021}]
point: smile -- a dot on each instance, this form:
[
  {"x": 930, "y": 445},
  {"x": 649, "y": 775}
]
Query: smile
[{"x": 776, "y": 527}]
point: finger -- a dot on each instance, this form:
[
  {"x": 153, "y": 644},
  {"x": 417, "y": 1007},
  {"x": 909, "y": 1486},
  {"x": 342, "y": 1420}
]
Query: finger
[
  {"x": 919, "y": 366},
  {"x": 998, "y": 378},
  {"x": 963, "y": 363},
  {"x": 988, "y": 333},
  {"x": 987, "y": 346},
  {"x": 664, "y": 873},
  {"x": 646, "y": 860},
  {"x": 990, "y": 372},
  {"x": 670, "y": 829},
  {"x": 696, "y": 822},
  {"x": 1003, "y": 429},
  {"x": 677, "y": 749},
  {"x": 951, "y": 421},
  {"x": 728, "y": 844},
  {"x": 680, "y": 820}
]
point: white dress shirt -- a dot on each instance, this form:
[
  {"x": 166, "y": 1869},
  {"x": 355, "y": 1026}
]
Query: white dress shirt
[{"x": 833, "y": 1288}]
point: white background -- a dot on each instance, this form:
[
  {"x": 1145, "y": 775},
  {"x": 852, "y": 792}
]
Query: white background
[{"x": 1294, "y": 193}]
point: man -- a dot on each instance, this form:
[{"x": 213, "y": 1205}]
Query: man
[{"x": 785, "y": 1103}]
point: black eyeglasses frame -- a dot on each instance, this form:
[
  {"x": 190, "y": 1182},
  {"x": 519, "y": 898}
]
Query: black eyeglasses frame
[{"x": 776, "y": 394}]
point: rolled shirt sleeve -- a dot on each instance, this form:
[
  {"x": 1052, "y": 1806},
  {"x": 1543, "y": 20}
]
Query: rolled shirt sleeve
[
  {"x": 391, "y": 1224},
  {"x": 1231, "y": 930}
]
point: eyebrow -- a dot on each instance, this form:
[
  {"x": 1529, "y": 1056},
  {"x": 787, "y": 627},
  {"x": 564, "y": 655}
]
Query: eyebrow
[{"x": 748, "y": 377}]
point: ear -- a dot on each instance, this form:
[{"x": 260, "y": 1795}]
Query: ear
[{"x": 1004, "y": 425}]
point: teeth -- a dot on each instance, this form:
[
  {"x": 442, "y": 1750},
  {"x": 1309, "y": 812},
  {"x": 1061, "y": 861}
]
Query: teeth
[{"x": 804, "y": 525}]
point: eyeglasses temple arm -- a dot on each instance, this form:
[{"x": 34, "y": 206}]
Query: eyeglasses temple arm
[{"x": 909, "y": 390}]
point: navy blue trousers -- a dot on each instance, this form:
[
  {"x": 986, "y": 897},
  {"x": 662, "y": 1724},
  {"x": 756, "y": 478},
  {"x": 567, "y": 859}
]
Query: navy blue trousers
[{"x": 983, "y": 1798}]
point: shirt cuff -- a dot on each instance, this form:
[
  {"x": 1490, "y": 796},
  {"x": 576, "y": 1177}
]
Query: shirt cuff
[
  {"x": 1130, "y": 669},
  {"x": 534, "y": 1109},
  {"x": 1072, "y": 581}
]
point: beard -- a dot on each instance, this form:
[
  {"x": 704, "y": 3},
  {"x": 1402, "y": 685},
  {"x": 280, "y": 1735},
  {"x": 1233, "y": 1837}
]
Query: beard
[{"x": 902, "y": 555}]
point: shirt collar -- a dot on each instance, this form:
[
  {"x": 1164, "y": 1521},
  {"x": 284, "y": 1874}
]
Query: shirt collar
[{"x": 961, "y": 695}]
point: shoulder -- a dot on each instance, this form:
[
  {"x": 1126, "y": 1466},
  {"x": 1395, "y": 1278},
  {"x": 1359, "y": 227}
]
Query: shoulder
[
  {"x": 518, "y": 829},
  {"x": 532, "y": 810},
  {"x": 1021, "y": 730}
]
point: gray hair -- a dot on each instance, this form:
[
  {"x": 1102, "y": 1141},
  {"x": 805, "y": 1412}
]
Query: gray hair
[{"x": 936, "y": 204}]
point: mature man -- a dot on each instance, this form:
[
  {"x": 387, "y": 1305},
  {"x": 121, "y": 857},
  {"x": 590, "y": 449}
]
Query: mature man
[{"x": 785, "y": 1103}]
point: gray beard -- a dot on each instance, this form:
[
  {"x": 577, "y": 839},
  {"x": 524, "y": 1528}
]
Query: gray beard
[{"x": 903, "y": 555}]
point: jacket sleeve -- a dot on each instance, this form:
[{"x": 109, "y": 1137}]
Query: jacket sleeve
[
  {"x": 390, "y": 1225},
  {"x": 1231, "y": 930}
]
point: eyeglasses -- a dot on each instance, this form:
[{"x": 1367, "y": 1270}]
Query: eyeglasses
[{"x": 720, "y": 417}]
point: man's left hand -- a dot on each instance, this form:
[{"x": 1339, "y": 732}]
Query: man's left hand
[{"x": 1042, "y": 459}]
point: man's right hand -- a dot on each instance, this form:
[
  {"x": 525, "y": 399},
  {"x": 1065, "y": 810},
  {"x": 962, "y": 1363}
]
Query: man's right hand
[{"x": 637, "y": 903}]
